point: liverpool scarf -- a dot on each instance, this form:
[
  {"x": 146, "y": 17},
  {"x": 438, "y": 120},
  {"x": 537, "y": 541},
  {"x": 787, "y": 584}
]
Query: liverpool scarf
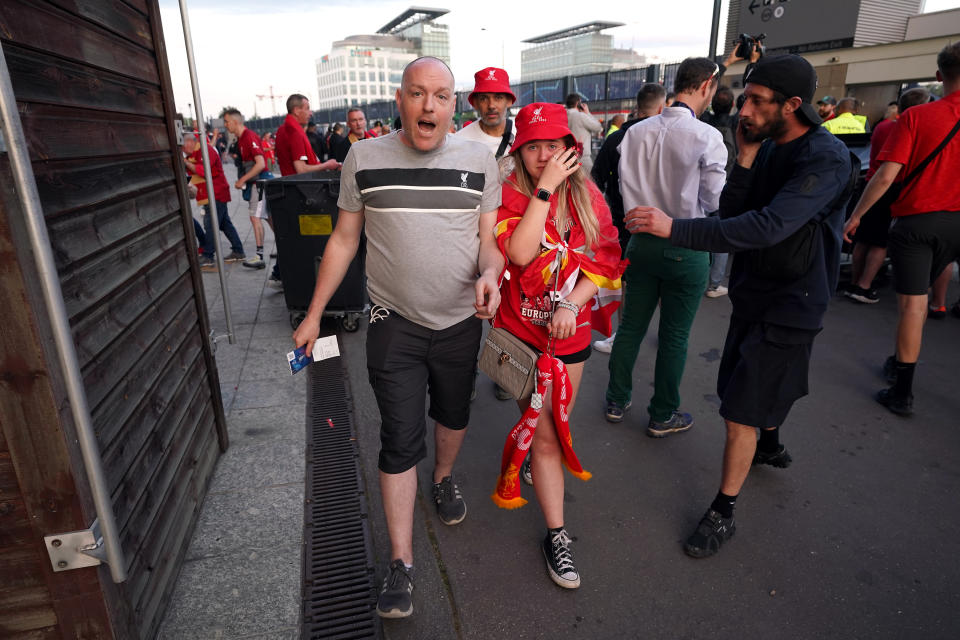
[{"x": 549, "y": 369}]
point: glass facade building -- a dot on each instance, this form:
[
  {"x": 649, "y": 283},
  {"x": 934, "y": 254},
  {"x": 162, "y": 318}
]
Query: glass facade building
[{"x": 576, "y": 51}]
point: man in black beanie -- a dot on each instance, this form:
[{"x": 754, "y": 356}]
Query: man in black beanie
[{"x": 781, "y": 213}]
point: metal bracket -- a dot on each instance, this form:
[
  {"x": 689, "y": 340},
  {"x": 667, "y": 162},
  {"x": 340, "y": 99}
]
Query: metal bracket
[
  {"x": 179, "y": 127},
  {"x": 214, "y": 339},
  {"x": 76, "y": 549}
]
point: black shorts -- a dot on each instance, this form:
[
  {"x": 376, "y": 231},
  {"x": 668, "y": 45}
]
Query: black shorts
[
  {"x": 920, "y": 247},
  {"x": 763, "y": 372},
  {"x": 569, "y": 358},
  {"x": 405, "y": 361},
  {"x": 875, "y": 223}
]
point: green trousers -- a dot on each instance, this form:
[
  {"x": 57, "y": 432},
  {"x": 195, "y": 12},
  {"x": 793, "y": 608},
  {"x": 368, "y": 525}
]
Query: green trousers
[{"x": 674, "y": 278}]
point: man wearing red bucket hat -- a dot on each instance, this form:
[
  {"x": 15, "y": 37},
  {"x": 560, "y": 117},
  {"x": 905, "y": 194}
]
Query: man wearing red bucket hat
[{"x": 491, "y": 98}]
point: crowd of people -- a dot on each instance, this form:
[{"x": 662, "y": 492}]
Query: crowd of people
[{"x": 544, "y": 249}]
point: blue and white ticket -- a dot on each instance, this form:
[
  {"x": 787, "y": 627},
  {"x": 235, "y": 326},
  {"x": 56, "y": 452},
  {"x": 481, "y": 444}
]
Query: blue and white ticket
[{"x": 323, "y": 348}]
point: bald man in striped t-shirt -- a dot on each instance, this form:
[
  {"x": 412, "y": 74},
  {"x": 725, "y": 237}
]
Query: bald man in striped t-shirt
[{"x": 429, "y": 203}]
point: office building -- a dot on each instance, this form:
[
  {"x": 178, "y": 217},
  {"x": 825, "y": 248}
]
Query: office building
[
  {"x": 367, "y": 68},
  {"x": 575, "y": 51}
]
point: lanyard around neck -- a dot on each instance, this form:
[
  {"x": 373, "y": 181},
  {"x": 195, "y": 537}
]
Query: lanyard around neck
[{"x": 685, "y": 106}]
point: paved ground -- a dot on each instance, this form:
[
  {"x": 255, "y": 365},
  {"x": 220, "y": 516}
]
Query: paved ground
[
  {"x": 852, "y": 541},
  {"x": 241, "y": 578}
]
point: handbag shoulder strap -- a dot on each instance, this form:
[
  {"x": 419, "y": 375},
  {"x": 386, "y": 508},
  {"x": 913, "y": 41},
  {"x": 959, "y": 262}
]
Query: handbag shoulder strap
[
  {"x": 505, "y": 142},
  {"x": 933, "y": 154}
]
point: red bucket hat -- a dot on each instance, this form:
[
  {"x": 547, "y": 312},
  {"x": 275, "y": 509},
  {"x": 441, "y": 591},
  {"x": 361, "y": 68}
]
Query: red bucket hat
[
  {"x": 540, "y": 121},
  {"x": 491, "y": 80}
]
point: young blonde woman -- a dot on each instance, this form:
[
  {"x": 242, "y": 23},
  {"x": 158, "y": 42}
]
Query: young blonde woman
[{"x": 555, "y": 230}]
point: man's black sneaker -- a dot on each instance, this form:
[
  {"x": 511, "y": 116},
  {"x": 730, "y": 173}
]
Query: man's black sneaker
[
  {"x": 866, "y": 296},
  {"x": 615, "y": 410},
  {"x": 395, "y": 599},
  {"x": 890, "y": 369},
  {"x": 710, "y": 535},
  {"x": 899, "y": 406},
  {"x": 450, "y": 505},
  {"x": 526, "y": 471},
  {"x": 677, "y": 422},
  {"x": 779, "y": 458},
  {"x": 556, "y": 551}
]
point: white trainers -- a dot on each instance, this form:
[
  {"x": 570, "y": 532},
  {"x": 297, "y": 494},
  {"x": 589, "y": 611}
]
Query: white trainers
[
  {"x": 717, "y": 291},
  {"x": 605, "y": 346}
]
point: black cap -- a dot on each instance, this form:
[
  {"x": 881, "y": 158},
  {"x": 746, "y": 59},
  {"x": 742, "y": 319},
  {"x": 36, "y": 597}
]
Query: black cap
[{"x": 792, "y": 76}]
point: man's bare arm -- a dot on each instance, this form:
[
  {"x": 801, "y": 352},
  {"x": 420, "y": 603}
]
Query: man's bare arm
[
  {"x": 877, "y": 186},
  {"x": 490, "y": 262},
  {"x": 302, "y": 167},
  {"x": 339, "y": 252},
  {"x": 259, "y": 164}
]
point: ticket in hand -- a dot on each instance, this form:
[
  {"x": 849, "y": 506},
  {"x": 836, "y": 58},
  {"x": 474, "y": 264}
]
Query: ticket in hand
[{"x": 323, "y": 348}]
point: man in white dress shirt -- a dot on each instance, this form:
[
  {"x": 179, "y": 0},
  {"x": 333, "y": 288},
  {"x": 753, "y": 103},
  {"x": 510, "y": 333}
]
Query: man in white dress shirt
[
  {"x": 674, "y": 162},
  {"x": 584, "y": 126}
]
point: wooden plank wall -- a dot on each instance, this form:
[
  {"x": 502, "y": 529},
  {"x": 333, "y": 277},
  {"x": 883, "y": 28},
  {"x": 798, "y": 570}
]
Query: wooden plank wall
[{"x": 95, "y": 99}]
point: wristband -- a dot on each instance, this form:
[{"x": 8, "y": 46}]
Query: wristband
[{"x": 569, "y": 306}]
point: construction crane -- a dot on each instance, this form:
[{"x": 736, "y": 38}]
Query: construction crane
[{"x": 273, "y": 97}]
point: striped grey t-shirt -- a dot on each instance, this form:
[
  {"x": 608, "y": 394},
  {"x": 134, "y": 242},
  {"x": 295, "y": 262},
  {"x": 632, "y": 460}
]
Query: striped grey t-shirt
[{"x": 422, "y": 212}]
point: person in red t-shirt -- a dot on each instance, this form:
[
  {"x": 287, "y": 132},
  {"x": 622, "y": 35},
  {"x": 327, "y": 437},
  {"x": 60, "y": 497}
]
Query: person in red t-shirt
[
  {"x": 870, "y": 248},
  {"x": 221, "y": 193},
  {"x": 551, "y": 210},
  {"x": 254, "y": 168},
  {"x": 268, "y": 151},
  {"x": 295, "y": 155},
  {"x": 925, "y": 237}
]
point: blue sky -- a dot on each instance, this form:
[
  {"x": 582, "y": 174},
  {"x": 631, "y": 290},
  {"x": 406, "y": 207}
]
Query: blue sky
[{"x": 243, "y": 47}]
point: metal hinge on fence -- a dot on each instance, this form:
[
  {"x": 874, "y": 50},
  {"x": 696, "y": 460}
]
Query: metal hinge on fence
[{"x": 76, "y": 549}]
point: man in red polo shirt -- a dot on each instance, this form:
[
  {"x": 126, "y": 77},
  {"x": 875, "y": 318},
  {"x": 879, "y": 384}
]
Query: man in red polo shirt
[
  {"x": 925, "y": 236},
  {"x": 295, "y": 154}
]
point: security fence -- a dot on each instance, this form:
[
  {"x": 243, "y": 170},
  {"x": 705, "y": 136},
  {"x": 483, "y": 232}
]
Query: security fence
[{"x": 609, "y": 92}]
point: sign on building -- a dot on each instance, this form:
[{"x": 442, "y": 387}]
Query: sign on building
[{"x": 798, "y": 26}]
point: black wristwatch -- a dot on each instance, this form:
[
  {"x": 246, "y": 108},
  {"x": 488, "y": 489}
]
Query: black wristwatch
[{"x": 543, "y": 194}]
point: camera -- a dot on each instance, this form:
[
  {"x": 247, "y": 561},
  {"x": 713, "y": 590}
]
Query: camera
[{"x": 746, "y": 43}]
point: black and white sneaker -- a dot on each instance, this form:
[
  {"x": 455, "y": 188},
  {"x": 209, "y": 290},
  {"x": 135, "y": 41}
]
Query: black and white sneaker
[
  {"x": 396, "y": 595},
  {"x": 864, "y": 296},
  {"x": 450, "y": 505},
  {"x": 526, "y": 472},
  {"x": 710, "y": 535},
  {"x": 556, "y": 551}
]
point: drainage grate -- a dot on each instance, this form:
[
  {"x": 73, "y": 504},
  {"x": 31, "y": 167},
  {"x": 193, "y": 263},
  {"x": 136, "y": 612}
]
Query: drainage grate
[{"x": 339, "y": 591}]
